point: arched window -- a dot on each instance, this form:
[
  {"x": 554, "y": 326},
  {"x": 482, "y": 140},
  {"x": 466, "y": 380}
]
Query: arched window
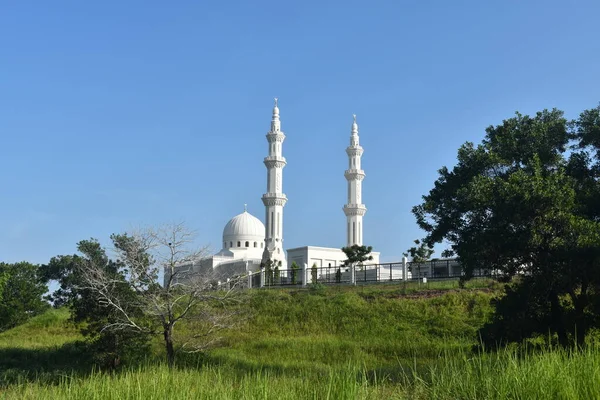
[
  {"x": 230, "y": 244},
  {"x": 261, "y": 245},
  {"x": 239, "y": 245},
  {"x": 247, "y": 244},
  {"x": 224, "y": 245},
  {"x": 254, "y": 244}
]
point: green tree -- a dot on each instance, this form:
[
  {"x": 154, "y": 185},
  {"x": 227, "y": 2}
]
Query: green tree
[
  {"x": 3, "y": 279},
  {"x": 338, "y": 275},
  {"x": 268, "y": 271},
  {"x": 419, "y": 254},
  {"x": 277, "y": 273},
  {"x": 294, "y": 272},
  {"x": 109, "y": 347},
  {"x": 187, "y": 293},
  {"x": 356, "y": 255},
  {"x": 21, "y": 293},
  {"x": 524, "y": 203}
]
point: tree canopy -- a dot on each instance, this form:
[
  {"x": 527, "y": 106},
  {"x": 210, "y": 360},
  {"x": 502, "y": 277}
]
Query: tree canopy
[
  {"x": 108, "y": 347},
  {"x": 526, "y": 202},
  {"x": 356, "y": 254},
  {"x": 21, "y": 291}
]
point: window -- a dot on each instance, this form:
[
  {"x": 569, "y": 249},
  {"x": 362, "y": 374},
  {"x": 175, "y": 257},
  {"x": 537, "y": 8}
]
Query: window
[
  {"x": 254, "y": 244},
  {"x": 359, "y": 233},
  {"x": 239, "y": 245},
  {"x": 261, "y": 245},
  {"x": 247, "y": 244},
  {"x": 230, "y": 244},
  {"x": 224, "y": 245},
  {"x": 348, "y": 232}
]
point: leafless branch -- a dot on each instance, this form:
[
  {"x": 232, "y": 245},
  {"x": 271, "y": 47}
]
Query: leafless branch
[{"x": 185, "y": 294}]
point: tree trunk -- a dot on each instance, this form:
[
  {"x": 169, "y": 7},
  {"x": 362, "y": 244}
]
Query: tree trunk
[
  {"x": 556, "y": 319},
  {"x": 580, "y": 324},
  {"x": 168, "y": 335}
]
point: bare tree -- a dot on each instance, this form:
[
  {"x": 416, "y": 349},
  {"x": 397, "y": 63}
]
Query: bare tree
[{"x": 190, "y": 291}]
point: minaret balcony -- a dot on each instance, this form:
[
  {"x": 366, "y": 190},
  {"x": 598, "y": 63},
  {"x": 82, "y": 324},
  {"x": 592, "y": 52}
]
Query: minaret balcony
[
  {"x": 354, "y": 151},
  {"x": 276, "y": 136},
  {"x": 354, "y": 174},
  {"x": 274, "y": 199},
  {"x": 355, "y": 209},
  {"x": 275, "y": 162}
]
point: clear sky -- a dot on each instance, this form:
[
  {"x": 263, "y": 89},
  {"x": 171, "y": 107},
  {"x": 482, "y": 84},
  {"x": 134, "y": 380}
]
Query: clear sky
[{"x": 120, "y": 113}]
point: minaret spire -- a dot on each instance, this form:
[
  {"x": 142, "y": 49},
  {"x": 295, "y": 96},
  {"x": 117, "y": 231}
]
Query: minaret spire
[
  {"x": 274, "y": 199},
  {"x": 354, "y": 209}
]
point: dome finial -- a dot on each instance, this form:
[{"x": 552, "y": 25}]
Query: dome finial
[
  {"x": 354, "y": 125},
  {"x": 275, "y": 124},
  {"x": 245, "y": 207}
]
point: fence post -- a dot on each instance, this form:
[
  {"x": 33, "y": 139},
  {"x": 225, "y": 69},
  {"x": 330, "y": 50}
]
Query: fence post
[
  {"x": 249, "y": 280},
  {"x": 262, "y": 277},
  {"x": 352, "y": 274},
  {"x": 304, "y": 272},
  {"x": 404, "y": 268}
]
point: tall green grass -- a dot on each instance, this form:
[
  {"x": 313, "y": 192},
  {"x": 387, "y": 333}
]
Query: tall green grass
[
  {"x": 551, "y": 374},
  {"x": 380, "y": 341}
]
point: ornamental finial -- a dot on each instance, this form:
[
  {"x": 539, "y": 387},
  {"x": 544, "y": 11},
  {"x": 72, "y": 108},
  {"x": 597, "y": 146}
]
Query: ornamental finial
[
  {"x": 276, "y": 99},
  {"x": 245, "y": 207},
  {"x": 354, "y": 116}
]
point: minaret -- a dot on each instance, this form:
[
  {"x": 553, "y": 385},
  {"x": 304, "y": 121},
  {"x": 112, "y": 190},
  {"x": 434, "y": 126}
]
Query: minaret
[
  {"x": 354, "y": 210},
  {"x": 274, "y": 200}
]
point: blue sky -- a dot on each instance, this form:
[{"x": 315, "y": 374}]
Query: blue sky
[{"x": 118, "y": 114}]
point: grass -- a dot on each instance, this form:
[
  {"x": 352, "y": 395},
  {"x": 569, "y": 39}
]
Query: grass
[
  {"x": 324, "y": 343},
  {"x": 553, "y": 374}
]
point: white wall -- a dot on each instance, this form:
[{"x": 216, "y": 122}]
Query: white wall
[{"x": 322, "y": 256}]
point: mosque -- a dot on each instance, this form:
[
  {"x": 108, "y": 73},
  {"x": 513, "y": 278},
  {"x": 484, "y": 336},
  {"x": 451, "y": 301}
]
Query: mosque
[{"x": 247, "y": 242}]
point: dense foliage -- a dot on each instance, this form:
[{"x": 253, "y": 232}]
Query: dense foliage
[
  {"x": 108, "y": 347},
  {"x": 21, "y": 291},
  {"x": 357, "y": 254},
  {"x": 526, "y": 202}
]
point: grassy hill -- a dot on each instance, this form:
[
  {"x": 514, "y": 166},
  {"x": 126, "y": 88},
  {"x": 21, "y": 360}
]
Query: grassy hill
[{"x": 364, "y": 342}]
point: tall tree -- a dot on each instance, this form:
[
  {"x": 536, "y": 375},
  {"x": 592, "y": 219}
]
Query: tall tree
[
  {"x": 187, "y": 294},
  {"x": 108, "y": 347},
  {"x": 516, "y": 204},
  {"x": 21, "y": 291}
]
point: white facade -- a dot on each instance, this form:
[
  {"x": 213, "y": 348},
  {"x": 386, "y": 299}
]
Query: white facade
[
  {"x": 321, "y": 256},
  {"x": 354, "y": 209},
  {"x": 274, "y": 199}
]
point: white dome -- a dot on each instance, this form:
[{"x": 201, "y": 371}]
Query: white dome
[{"x": 244, "y": 225}]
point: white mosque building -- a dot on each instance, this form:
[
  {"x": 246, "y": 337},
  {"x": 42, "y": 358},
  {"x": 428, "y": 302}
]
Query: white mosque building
[{"x": 247, "y": 242}]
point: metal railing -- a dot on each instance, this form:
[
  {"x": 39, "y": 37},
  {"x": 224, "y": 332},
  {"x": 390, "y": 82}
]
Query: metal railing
[{"x": 358, "y": 274}]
